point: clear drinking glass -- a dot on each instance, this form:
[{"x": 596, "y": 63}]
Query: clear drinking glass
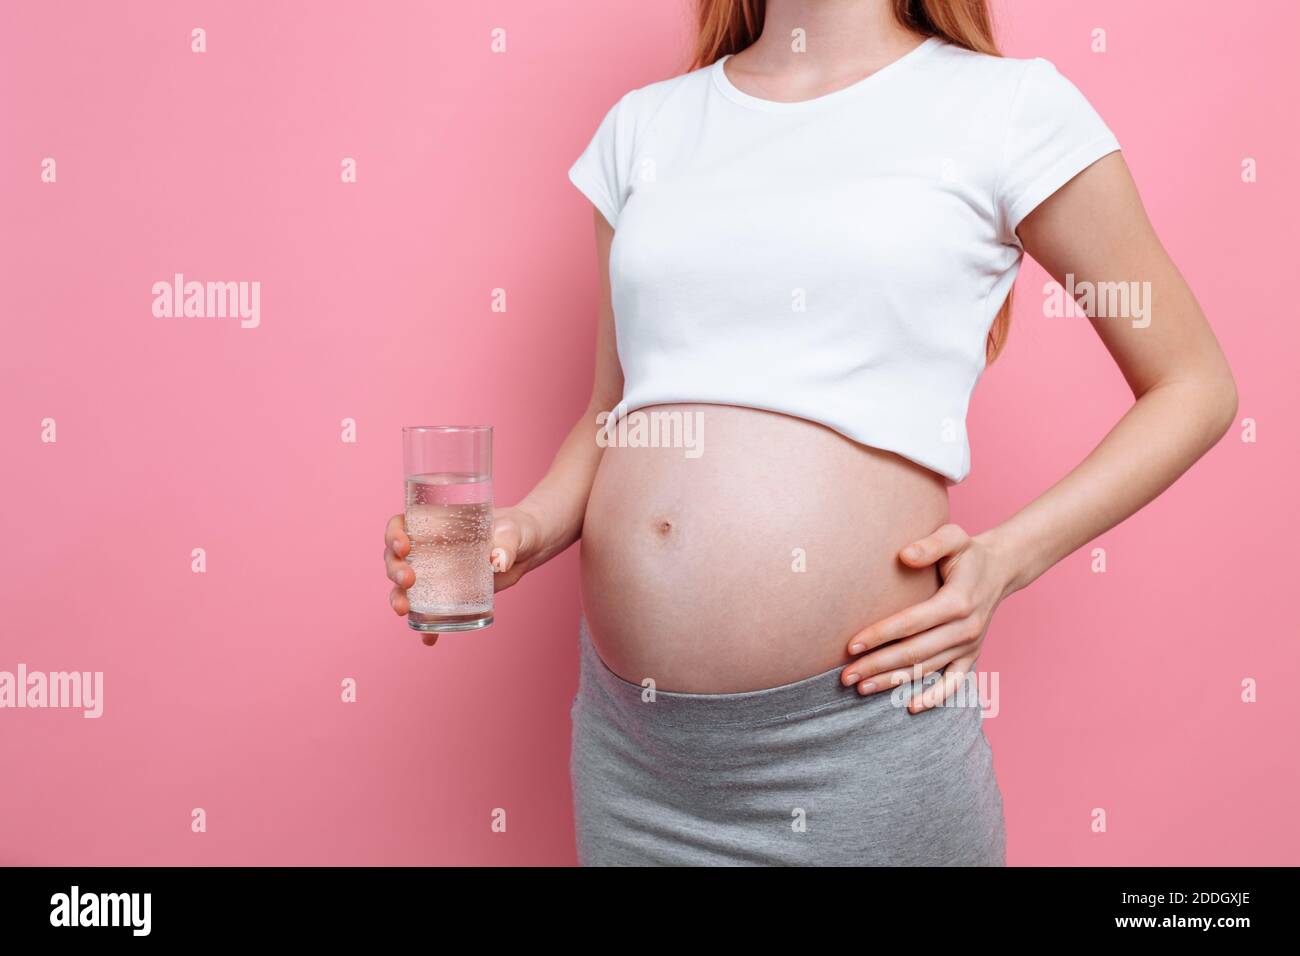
[{"x": 449, "y": 521}]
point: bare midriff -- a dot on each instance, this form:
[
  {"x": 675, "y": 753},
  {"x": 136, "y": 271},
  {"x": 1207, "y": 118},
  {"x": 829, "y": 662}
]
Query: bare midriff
[{"x": 751, "y": 565}]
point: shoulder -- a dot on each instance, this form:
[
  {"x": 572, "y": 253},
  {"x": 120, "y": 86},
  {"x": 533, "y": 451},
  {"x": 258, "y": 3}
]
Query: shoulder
[
  {"x": 1005, "y": 78},
  {"x": 639, "y": 107},
  {"x": 1005, "y": 91},
  {"x": 985, "y": 72}
]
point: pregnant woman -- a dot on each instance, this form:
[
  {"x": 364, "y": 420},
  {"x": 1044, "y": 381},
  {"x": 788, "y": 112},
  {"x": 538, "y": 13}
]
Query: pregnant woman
[{"x": 806, "y": 247}]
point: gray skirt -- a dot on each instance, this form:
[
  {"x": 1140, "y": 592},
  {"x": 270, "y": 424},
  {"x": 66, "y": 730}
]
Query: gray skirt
[{"x": 805, "y": 774}]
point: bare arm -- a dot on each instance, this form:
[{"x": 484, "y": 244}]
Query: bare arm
[
  {"x": 1185, "y": 395},
  {"x": 549, "y": 518},
  {"x": 1096, "y": 229}
]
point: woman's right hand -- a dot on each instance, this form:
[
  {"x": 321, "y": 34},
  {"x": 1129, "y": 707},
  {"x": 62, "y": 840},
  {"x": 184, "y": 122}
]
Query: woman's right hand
[{"x": 516, "y": 550}]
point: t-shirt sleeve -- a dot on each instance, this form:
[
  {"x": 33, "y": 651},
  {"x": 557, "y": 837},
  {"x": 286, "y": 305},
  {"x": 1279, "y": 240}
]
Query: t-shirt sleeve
[
  {"x": 1053, "y": 135},
  {"x": 601, "y": 173}
]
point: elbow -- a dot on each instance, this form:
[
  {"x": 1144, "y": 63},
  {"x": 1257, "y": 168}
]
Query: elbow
[
  {"x": 1230, "y": 404},
  {"x": 1221, "y": 403},
  {"x": 1207, "y": 400}
]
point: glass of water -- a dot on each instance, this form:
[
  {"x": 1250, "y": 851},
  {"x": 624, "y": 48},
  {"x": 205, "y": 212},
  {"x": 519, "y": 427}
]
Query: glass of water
[{"x": 449, "y": 521}]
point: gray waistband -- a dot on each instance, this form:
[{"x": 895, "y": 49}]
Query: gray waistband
[{"x": 774, "y": 703}]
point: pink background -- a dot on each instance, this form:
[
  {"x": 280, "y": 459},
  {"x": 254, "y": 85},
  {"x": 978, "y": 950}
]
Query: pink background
[{"x": 1118, "y": 690}]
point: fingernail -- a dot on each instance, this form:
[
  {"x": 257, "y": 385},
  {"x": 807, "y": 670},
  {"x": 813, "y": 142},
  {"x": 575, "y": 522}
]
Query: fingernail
[
  {"x": 850, "y": 678},
  {"x": 856, "y": 648},
  {"x": 912, "y": 551},
  {"x": 868, "y": 687},
  {"x": 498, "y": 560}
]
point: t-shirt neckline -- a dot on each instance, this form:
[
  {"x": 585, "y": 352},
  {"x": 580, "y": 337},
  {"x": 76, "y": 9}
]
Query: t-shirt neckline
[{"x": 734, "y": 93}]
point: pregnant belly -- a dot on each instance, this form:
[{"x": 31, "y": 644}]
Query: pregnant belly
[{"x": 752, "y": 564}]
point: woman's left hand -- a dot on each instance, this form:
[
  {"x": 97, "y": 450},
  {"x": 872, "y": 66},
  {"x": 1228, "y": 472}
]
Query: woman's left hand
[{"x": 945, "y": 631}]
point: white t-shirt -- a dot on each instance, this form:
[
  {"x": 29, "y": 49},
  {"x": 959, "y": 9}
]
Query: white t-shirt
[{"x": 838, "y": 259}]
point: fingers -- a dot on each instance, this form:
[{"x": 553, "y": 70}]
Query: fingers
[
  {"x": 922, "y": 647},
  {"x": 399, "y": 572},
  {"x": 949, "y": 539},
  {"x": 401, "y": 606},
  {"x": 912, "y": 675},
  {"x": 952, "y": 679},
  {"x": 395, "y": 538},
  {"x": 946, "y": 605},
  {"x": 955, "y": 664},
  {"x": 916, "y": 677},
  {"x": 942, "y": 632},
  {"x": 507, "y": 579},
  {"x": 396, "y": 546},
  {"x": 507, "y": 541}
]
